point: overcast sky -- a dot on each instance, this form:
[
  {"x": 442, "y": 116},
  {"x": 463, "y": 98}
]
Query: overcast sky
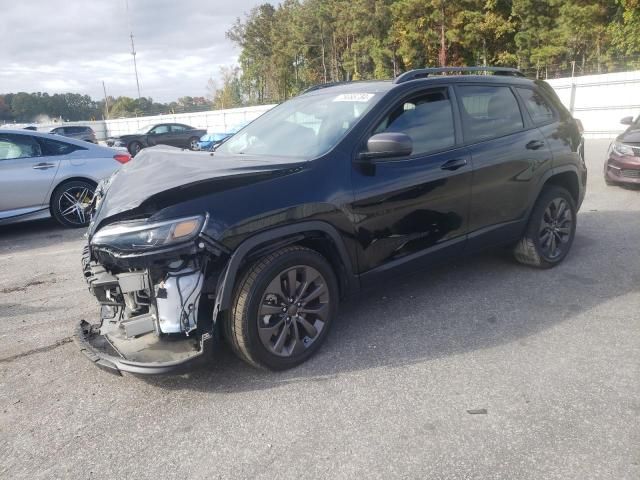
[{"x": 72, "y": 45}]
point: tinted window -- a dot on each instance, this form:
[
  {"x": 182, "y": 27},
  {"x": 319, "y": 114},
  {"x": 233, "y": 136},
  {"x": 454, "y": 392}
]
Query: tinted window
[
  {"x": 178, "y": 128},
  {"x": 58, "y": 131},
  {"x": 160, "y": 129},
  {"x": 54, "y": 147},
  {"x": 537, "y": 106},
  {"x": 427, "y": 119},
  {"x": 18, "y": 146},
  {"x": 489, "y": 111}
]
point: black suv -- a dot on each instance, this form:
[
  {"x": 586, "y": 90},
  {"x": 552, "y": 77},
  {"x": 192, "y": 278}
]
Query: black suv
[
  {"x": 325, "y": 194},
  {"x": 78, "y": 132}
]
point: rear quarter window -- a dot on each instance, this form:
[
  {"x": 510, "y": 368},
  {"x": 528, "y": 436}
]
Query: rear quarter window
[{"x": 538, "y": 108}]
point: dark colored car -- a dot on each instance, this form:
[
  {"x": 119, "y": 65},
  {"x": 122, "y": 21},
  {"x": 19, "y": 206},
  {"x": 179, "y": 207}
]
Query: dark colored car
[
  {"x": 328, "y": 193},
  {"x": 77, "y": 132},
  {"x": 623, "y": 160},
  {"x": 173, "y": 134}
]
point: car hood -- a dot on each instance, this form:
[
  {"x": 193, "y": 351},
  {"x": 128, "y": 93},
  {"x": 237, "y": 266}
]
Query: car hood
[
  {"x": 161, "y": 176},
  {"x": 632, "y": 135}
]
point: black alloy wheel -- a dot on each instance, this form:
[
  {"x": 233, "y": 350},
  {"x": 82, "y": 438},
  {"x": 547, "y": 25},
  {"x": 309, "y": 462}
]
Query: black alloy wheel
[
  {"x": 283, "y": 308},
  {"x": 550, "y": 230}
]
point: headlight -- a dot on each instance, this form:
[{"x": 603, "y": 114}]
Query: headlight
[
  {"x": 622, "y": 149},
  {"x": 140, "y": 235}
]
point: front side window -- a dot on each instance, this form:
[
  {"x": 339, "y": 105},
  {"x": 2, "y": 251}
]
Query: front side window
[
  {"x": 427, "y": 119},
  {"x": 18, "y": 146},
  {"x": 537, "y": 106},
  {"x": 160, "y": 129},
  {"x": 307, "y": 126},
  {"x": 489, "y": 112}
]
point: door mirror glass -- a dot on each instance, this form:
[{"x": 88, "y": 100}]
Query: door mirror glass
[
  {"x": 388, "y": 145},
  {"x": 627, "y": 121}
]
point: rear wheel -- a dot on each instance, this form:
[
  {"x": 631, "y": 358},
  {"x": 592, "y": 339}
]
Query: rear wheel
[
  {"x": 71, "y": 203},
  {"x": 193, "y": 143},
  {"x": 550, "y": 231},
  {"x": 134, "y": 148},
  {"x": 283, "y": 308}
]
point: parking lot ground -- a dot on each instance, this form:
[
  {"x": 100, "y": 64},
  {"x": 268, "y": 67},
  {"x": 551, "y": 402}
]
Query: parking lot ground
[{"x": 479, "y": 369}]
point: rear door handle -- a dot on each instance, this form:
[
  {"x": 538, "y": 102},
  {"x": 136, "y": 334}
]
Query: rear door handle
[
  {"x": 43, "y": 166},
  {"x": 454, "y": 164},
  {"x": 535, "y": 145}
]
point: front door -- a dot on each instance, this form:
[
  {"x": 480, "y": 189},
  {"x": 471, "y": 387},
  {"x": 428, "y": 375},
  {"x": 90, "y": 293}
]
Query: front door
[
  {"x": 26, "y": 175},
  {"x": 406, "y": 208}
]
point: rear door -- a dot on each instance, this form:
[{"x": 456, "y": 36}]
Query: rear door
[
  {"x": 509, "y": 155},
  {"x": 180, "y": 135},
  {"x": 406, "y": 208},
  {"x": 26, "y": 175}
]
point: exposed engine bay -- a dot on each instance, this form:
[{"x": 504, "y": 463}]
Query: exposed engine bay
[{"x": 154, "y": 312}]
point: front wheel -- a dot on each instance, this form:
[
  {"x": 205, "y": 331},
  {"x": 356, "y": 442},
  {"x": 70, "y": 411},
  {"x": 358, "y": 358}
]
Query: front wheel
[
  {"x": 283, "y": 308},
  {"x": 550, "y": 231},
  {"x": 71, "y": 203},
  {"x": 134, "y": 148}
]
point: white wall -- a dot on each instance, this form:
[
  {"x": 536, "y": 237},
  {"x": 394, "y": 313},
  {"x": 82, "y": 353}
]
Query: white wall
[{"x": 599, "y": 101}]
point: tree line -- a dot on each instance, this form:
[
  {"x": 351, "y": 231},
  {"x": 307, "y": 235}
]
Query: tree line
[
  {"x": 298, "y": 43},
  {"x": 25, "y": 107}
]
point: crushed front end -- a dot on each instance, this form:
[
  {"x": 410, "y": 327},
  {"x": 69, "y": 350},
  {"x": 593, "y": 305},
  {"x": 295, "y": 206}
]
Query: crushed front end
[{"x": 156, "y": 284}]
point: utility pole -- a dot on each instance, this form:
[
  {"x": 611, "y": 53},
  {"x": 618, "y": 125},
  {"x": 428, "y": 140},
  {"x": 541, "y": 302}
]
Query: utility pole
[
  {"x": 133, "y": 48},
  {"x": 106, "y": 102}
]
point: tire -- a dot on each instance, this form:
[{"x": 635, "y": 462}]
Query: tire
[
  {"x": 134, "y": 148},
  {"x": 535, "y": 248},
  {"x": 256, "y": 327},
  {"x": 193, "y": 143},
  {"x": 75, "y": 193}
]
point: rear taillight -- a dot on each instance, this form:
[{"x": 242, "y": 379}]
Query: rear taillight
[{"x": 122, "y": 157}]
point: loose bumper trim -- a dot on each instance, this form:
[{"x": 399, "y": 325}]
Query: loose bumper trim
[{"x": 86, "y": 332}]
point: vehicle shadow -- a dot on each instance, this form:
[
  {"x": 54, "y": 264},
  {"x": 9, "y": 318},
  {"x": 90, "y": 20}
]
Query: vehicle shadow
[
  {"x": 18, "y": 237},
  {"x": 471, "y": 304}
]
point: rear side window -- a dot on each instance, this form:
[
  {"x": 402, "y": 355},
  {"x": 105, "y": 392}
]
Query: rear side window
[
  {"x": 537, "y": 106},
  {"x": 54, "y": 147},
  {"x": 427, "y": 119},
  {"x": 489, "y": 112}
]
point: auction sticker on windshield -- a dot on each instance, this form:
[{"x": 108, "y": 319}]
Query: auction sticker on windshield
[{"x": 354, "y": 97}]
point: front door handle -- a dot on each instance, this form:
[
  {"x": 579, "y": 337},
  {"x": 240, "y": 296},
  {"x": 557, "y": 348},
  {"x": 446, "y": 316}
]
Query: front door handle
[
  {"x": 43, "y": 166},
  {"x": 454, "y": 164},
  {"x": 535, "y": 145}
]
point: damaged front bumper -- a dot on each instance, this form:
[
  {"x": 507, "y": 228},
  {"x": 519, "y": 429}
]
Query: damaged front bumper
[{"x": 156, "y": 312}]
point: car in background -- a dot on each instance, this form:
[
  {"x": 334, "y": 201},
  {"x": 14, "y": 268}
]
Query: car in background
[
  {"x": 44, "y": 175},
  {"x": 173, "y": 134},
  {"x": 623, "y": 160},
  {"x": 76, "y": 131},
  {"x": 210, "y": 141}
]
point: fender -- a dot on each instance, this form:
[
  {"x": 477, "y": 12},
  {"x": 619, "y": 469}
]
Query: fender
[
  {"x": 550, "y": 173},
  {"x": 230, "y": 273}
]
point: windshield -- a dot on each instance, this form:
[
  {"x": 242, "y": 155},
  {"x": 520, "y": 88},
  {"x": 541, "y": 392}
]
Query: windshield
[{"x": 307, "y": 126}]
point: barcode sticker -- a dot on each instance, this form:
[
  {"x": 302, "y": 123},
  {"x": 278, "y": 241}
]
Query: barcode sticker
[{"x": 354, "y": 97}]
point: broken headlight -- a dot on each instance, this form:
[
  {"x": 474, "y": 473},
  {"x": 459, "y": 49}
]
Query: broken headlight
[{"x": 141, "y": 235}]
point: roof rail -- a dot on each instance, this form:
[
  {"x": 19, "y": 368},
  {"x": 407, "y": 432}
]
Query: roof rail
[{"x": 425, "y": 72}]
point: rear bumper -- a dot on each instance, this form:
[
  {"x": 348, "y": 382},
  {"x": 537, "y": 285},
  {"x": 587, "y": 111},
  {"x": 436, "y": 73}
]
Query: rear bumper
[{"x": 99, "y": 351}]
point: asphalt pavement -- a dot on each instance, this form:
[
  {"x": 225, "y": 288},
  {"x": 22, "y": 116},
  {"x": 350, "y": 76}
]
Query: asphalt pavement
[{"x": 480, "y": 369}]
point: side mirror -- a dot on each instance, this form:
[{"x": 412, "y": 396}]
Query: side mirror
[
  {"x": 388, "y": 145},
  {"x": 627, "y": 121}
]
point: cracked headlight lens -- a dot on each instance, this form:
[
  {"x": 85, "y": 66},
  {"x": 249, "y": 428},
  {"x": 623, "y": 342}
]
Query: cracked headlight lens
[{"x": 141, "y": 235}]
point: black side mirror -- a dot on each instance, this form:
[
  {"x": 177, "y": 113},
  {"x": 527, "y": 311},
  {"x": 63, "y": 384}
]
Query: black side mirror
[
  {"x": 627, "y": 121},
  {"x": 388, "y": 145}
]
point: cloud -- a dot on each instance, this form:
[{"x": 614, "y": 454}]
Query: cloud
[{"x": 75, "y": 45}]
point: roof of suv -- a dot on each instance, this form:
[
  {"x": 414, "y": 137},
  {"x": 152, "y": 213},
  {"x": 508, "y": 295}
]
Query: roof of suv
[{"x": 381, "y": 86}]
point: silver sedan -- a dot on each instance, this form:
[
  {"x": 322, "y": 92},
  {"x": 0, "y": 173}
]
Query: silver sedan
[{"x": 43, "y": 175}]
